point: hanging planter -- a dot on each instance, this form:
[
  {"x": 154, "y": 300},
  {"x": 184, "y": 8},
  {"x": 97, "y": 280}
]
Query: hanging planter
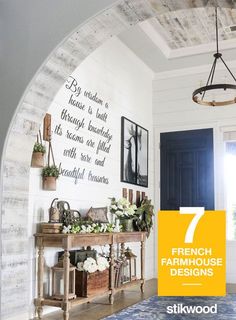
[
  {"x": 37, "y": 160},
  {"x": 50, "y": 173}
]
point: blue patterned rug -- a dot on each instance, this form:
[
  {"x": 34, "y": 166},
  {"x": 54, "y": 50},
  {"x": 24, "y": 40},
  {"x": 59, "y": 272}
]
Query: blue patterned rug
[{"x": 155, "y": 308}]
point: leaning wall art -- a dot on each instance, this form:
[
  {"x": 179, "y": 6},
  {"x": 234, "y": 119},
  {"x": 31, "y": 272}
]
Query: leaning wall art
[{"x": 134, "y": 153}]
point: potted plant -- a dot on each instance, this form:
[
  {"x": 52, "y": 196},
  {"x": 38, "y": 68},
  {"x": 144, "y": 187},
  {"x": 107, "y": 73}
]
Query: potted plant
[
  {"x": 145, "y": 213},
  {"x": 50, "y": 175},
  {"x": 125, "y": 212},
  {"x": 51, "y": 172},
  {"x": 37, "y": 160}
]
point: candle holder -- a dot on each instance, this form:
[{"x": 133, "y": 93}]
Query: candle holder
[
  {"x": 130, "y": 273},
  {"x": 58, "y": 281}
]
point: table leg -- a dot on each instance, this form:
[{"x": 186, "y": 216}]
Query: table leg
[
  {"x": 39, "y": 308},
  {"x": 142, "y": 266},
  {"x": 111, "y": 297},
  {"x": 66, "y": 265},
  {"x": 122, "y": 250}
]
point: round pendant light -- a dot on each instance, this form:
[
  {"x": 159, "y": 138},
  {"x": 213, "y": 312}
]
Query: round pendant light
[{"x": 199, "y": 95}]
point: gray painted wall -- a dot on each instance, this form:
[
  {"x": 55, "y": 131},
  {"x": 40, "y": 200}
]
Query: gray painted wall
[{"x": 29, "y": 31}]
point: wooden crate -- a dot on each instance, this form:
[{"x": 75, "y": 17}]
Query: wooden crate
[{"x": 87, "y": 284}]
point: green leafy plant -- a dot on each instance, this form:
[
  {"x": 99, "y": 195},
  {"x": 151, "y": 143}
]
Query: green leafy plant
[
  {"x": 39, "y": 147},
  {"x": 84, "y": 226},
  {"x": 145, "y": 213},
  {"x": 51, "y": 171}
]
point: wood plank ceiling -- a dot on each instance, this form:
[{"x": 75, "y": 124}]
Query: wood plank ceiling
[{"x": 182, "y": 25}]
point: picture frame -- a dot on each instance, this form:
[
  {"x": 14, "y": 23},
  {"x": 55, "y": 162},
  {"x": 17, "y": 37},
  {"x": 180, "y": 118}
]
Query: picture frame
[{"x": 134, "y": 153}]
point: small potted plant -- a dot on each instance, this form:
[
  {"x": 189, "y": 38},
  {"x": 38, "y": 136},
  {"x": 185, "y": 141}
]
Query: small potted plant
[
  {"x": 37, "y": 160},
  {"x": 51, "y": 172},
  {"x": 50, "y": 175}
]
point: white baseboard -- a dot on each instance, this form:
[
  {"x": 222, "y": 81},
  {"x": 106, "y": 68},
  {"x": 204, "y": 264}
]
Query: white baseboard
[{"x": 231, "y": 287}]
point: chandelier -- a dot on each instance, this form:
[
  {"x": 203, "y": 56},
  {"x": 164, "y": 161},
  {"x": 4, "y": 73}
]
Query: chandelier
[{"x": 200, "y": 93}]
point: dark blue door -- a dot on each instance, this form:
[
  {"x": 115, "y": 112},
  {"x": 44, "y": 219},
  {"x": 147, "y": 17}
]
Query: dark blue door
[{"x": 187, "y": 169}]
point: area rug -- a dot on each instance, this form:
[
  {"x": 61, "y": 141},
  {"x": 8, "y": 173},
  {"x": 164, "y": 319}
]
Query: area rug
[{"x": 156, "y": 308}]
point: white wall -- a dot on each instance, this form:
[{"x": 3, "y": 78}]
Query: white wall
[
  {"x": 173, "y": 110},
  {"x": 123, "y": 81},
  {"x": 27, "y": 42}
]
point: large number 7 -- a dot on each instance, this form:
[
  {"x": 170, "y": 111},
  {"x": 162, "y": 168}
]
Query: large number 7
[{"x": 199, "y": 212}]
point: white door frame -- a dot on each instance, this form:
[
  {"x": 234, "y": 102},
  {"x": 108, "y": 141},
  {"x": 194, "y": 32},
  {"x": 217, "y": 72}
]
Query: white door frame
[{"x": 218, "y": 130}]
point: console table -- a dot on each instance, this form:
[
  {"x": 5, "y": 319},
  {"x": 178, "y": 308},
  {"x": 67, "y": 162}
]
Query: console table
[{"x": 70, "y": 241}]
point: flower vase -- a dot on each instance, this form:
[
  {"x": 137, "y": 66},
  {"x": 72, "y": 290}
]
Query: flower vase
[
  {"x": 117, "y": 225},
  {"x": 127, "y": 225}
]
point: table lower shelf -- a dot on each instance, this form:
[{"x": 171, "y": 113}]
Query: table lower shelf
[
  {"x": 80, "y": 300},
  {"x": 128, "y": 285},
  {"x": 73, "y": 302}
]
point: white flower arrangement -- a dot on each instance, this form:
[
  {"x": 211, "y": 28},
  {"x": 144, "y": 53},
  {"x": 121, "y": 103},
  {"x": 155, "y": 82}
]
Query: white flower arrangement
[
  {"x": 122, "y": 208},
  {"x": 88, "y": 227},
  {"x": 80, "y": 266},
  {"x": 66, "y": 229},
  {"x": 91, "y": 265},
  {"x": 102, "y": 263}
]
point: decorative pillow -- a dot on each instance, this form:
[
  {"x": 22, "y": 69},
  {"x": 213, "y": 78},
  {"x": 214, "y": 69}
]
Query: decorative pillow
[{"x": 97, "y": 214}]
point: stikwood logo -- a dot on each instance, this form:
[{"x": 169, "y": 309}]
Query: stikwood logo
[{"x": 180, "y": 308}]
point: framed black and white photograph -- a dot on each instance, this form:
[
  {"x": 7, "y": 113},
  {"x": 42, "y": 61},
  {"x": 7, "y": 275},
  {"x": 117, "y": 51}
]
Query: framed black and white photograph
[
  {"x": 134, "y": 153},
  {"x": 128, "y": 151},
  {"x": 142, "y": 156}
]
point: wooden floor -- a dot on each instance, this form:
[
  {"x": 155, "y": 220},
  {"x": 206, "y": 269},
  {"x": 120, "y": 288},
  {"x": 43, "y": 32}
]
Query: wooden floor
[{"x": 100, "y": 308}]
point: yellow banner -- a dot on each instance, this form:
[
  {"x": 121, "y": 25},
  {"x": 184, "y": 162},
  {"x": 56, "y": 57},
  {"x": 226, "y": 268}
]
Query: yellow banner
[{"x": 191, "y": 252}]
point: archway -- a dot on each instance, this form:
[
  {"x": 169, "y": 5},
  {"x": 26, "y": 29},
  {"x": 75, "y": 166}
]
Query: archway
[{"x": 25, "y": 124}]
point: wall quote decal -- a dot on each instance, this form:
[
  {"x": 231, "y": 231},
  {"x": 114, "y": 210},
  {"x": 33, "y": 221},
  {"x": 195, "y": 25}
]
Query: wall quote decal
[{"x": 82, "y": 126}]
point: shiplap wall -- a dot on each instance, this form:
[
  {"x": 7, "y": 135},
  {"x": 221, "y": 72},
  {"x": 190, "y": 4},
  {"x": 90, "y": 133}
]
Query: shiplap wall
[
  {"x": 173, "y": 110},
  {"x": 126, "y": 84}
]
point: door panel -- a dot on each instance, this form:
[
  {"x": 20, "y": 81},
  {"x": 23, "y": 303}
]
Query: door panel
[
  {"x": 187, "y": 169},
  {"x": 186, "y": 189}
]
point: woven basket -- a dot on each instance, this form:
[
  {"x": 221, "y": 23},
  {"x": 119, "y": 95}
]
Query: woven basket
[{"x": 88, "y": 284}]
